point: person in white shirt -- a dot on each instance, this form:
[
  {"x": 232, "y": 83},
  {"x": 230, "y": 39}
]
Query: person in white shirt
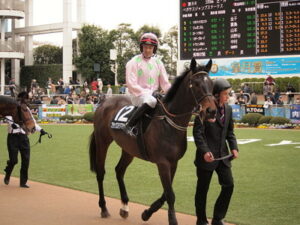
[
  {"x": 268, "y": 103},
  {"x": 18, "y": 141}
]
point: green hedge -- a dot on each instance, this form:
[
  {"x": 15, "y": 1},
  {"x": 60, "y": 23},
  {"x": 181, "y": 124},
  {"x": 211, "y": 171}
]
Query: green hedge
[
  {"x": 264, "y": 119},
  {"x": 279, "y": 120},
  {"x": 252, "y": 119},
  {"x": 89, "y": 116},
  {"x": 40, "y": 73}
]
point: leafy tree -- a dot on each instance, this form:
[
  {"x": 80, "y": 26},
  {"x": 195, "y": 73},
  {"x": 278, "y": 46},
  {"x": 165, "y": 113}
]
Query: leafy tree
[
  {"x": 124, "y": 41},
  {"x": 171, "y": 45},
  {"x": 94, "y": 47},
  {"x": 47, "y": 54}
]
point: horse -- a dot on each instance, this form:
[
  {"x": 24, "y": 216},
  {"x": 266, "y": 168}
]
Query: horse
[
  {"x": 165, "y": 136},
  {"x": 19, "y": 112}
]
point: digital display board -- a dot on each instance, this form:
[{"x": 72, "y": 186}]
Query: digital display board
[{"x": 236, "y": 28}]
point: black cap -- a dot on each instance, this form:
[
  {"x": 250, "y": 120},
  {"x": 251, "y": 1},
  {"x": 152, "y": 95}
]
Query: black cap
[{"x": 220, "y": 85}]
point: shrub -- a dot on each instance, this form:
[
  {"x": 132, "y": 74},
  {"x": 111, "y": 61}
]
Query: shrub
[
  {"x": 76, "y": 118},
  {"x": 89, "y": 116},
  {"x": 264, "y": 119},
  {"x": 66, "y": 117},
  {"x": 251, "y": 118},
  {"x": 279, "y": 120}
]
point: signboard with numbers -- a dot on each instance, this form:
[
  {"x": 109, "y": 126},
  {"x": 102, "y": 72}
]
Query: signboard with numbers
[{"x": 239, "y": 28}]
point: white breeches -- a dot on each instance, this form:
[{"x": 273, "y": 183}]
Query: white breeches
[{"x": 146, "y": 98}]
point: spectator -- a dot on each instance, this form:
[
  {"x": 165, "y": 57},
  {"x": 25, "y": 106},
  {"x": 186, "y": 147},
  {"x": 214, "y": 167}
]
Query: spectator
[
  {"x": 12, "y": 87},
  {"x": 94, "y": 86},
  {"x": 122, "y": 89},
  {"x": 253, "y": 99},
  {"x": 297, "y": 101},
  {"x": 270, "y": 81},
  {"x": 34, "y": 87},
  {"x": 268, "y": 103},
  {"x": 289, "y": 92},
  {"x": 49, "y": 86},
  {"x": 279, "y": 101},
  {"x": 100, "y": 85},
  {"x": 232, "y": 98},
  {"x": 109, "y": 91},
  {"x": 60, "y": 86}
]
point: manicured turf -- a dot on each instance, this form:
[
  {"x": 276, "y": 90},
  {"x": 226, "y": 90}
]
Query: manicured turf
[{"x": 267, "y": 178}]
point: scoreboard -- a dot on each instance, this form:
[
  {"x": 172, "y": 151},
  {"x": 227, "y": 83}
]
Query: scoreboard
[{"x": 239, "y": 28}]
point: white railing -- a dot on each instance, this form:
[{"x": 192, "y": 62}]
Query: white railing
[
  {"x": 18, "y": 5},
  {"x": 11, "y": 46}
]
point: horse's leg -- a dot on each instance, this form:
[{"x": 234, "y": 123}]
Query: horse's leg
[
  {"x": 101, "y": 151},
  {"x": 120, "y": 169},
  {"x": 159, "y": 202}
]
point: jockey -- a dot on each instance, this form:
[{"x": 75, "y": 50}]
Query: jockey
[{"x": 145, "y": 74}]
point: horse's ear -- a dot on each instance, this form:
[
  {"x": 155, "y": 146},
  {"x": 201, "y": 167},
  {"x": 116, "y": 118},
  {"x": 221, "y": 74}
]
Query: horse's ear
[
  {"x": 208, "y": 65},
  {"x": 193, "y": 64}
]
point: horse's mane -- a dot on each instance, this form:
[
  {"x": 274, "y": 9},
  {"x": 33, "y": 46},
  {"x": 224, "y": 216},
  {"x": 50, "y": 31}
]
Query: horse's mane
[
  {"x": 173, "y": 89},
  {"x": 7, "y": 100}
]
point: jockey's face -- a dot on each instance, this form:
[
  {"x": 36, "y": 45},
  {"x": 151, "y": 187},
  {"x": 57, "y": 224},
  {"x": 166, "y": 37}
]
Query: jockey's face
[
  {"x": 148, "y": 51},
  {"x": 224, "y": 96}
]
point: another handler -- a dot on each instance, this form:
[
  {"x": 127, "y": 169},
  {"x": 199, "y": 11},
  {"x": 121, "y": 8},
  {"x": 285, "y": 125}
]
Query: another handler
[
  {"x": 144, "y": 75},
  {"x": 17, "y": 140},
  {"x": 211, "y": 138}
]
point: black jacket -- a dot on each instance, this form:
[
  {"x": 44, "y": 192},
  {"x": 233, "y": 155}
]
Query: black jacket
[{"x": 216, "y": 138}]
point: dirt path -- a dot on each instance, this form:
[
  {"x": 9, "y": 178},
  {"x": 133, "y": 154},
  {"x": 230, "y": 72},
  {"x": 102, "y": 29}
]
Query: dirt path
[{"x": 44, "y": 204}]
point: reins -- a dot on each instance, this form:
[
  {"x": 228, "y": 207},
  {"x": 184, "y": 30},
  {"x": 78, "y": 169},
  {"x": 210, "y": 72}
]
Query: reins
[{"x": 168, "y": 114}]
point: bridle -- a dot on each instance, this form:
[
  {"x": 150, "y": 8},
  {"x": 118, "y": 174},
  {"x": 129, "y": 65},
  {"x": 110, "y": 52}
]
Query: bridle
[
  {"x": 198, "y": 105},
  {"x": 198, "y": 102}
]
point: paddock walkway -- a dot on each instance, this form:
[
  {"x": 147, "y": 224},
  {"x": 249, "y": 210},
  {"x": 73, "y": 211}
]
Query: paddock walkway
[{"x": 52, "y": 205}]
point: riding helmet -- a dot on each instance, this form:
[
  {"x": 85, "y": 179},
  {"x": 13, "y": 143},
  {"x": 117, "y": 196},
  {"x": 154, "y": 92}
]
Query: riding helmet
[
  {"x": 149, "y": 39},
  {"x": 220, "y": 84}
]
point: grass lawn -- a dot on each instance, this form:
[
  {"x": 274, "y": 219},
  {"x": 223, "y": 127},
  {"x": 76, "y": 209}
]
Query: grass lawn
[{"x": 267, "y": 182}]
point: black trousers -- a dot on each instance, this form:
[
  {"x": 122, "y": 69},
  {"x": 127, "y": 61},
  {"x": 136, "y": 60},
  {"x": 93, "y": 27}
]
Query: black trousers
[
  {"x": 222, "y": 203},
  {"x": 16, "y": 143}
]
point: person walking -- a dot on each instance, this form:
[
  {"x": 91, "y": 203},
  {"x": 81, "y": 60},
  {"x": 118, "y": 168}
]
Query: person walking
[
  {"x": 212, "y": 139},
  {"x": 145, "y": 74},
  {"x": 18, "y": 141}
]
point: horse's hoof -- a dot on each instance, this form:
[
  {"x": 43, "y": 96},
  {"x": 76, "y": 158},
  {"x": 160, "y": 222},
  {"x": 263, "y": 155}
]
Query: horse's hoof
[
  {"x": 145, "y": 215},
  {"x": 105, "y": 214},
  {"x": 124, "y": 214}
]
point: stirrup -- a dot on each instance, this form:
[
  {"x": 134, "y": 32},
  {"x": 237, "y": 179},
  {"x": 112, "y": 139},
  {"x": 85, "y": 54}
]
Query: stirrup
[{"x": 131, "y": 131}]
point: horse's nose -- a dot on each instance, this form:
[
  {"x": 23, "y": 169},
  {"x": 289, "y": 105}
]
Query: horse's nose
[{"x": 211, "y": 112}]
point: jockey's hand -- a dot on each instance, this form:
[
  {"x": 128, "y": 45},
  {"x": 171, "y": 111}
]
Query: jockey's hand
[
  {"x": 157, "y": 94},
  {"x": 43, "y": 132}
]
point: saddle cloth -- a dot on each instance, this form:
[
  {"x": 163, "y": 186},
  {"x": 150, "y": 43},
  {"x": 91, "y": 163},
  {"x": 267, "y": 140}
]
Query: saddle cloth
[{"x": 122, "y": 116}]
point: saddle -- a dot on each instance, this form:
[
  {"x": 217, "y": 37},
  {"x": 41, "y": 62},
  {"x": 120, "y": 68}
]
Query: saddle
[{"x": 121, "y": 118}]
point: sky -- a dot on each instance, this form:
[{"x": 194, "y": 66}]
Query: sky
[{"x": 108, "y": 14}]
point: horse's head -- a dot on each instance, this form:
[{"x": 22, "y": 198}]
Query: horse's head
[
  {"x": 25, "y": 119},
  {"x": 201, "y": 87}
]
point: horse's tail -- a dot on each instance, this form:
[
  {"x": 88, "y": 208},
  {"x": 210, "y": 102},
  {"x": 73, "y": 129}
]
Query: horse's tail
[{"x": 92, "y": 153}]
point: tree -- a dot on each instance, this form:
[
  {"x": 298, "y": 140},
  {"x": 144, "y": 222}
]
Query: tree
[
  {"x": 171, "y": 45},
  {"x": 47, "y": 54},
  {"x": 94, "y": 47},
  {"x": 124, "y": 41}
]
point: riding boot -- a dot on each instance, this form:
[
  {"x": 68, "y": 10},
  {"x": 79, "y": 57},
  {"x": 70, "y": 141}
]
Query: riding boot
[{"x": 132, "y": 121}]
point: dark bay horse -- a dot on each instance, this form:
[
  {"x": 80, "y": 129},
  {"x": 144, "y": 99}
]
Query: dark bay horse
[
  {"x": 165, "y": 137},
  {"x": 19, "y": 112}
]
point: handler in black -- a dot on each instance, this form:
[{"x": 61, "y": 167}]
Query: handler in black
[
  {"x": 17, "y": 140},
  {"x": 211, "y": 138}
]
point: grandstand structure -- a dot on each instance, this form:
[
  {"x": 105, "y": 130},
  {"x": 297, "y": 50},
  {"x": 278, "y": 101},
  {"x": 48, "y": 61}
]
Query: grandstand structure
[{"x": 16, "y": 41}]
